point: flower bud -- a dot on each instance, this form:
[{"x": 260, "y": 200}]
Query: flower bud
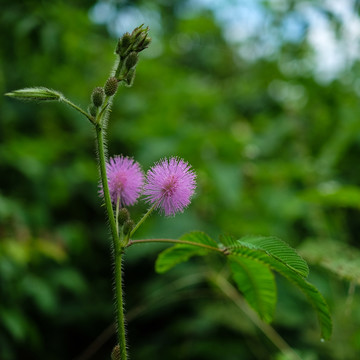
[
  {"x": 128, "y": 226},
  {"x": 111, "y": 86},
  {"x": 92, "y": 109},
  {"x": 143, "y": 44},
  {"x": 130, "y": 76},
  {"x": 131, "y": 60},
  {"x": 138, "y": 31},
  {"x": 123, "y": 44},
  {"x": 115, "y": 354},
  {"x": 97, "y": 96},
  {"x": 123, "y": 216}
]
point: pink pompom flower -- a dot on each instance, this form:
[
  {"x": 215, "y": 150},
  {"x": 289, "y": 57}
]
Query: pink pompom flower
[
  {"x": 125, "y": 179},
  {"x": 170, "y": 185}
]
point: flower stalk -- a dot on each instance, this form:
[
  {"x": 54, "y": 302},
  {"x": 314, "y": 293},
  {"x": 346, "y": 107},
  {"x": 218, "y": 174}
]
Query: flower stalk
[
  {"x": 147, "y": 214},
  {"x": 170, "y": 183},
  {"x": 117, "y": 248},
  {"x": 101, "y": 103}
]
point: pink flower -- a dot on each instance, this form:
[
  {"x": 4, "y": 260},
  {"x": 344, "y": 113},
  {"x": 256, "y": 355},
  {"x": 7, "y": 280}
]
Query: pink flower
[
  {"x": 125, "y": 179},
  {"x": 170, "y": 185}
]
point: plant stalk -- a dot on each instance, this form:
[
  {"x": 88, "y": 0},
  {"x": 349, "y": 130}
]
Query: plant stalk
[
  {"x": 77, "y": 108},
  {"x": 142, "y": 219},
  {"x": 175, "y": 241},
  {"x": 105, "y": 186},
  {"x": 120, "y": 305},
  {"x": 118, "y": 249}
]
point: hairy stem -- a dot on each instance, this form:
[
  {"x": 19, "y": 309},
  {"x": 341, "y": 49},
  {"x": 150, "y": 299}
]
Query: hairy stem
[
  {"x": 119, "y": 305},
  {"x": 117, "y": 215},
  {"x": 77, "y": 108},
  {"x": 142, "y": 219},
  {"x": 105, "y": 186},
  {"x": 175, "y": 241},
  {"x": 118, "y": 250}
]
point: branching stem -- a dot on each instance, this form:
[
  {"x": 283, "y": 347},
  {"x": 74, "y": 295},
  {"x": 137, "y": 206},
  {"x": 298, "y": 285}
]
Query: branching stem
[
  {"x": 118, "y": 249},
  {"x": 175, "y": 241},
  {"x": 77, "y": 108}
]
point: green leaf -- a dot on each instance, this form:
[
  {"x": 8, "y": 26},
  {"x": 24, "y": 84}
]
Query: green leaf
[
  {"x": 181, "y": 252},
  {"x": 256, "y": 281},
  {"x": 280, "y": 250},
  {"x": 176, "y": 255},
  {"x": 200, "y": 238},
  {"x": 272, "y": 246},
  {"x": 36, "y": 94},
  {"x": 313, "y": 295}
]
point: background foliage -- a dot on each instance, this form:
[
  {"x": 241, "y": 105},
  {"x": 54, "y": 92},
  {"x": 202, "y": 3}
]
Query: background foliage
[{"x": 264, "y": 113}]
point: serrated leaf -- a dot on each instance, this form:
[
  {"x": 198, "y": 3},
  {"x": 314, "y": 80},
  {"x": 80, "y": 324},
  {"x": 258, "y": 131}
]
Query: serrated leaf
[
  {"x": 312, "y": 294},
  {"x": 200, "y": 238},
  {"x": 256, "y": 281},
  {"x": 280, "y": 250},
  {"x": 176, "y": 255},
  {"x": 274, "y": 247},
  {"x": 181, "y": 252},
  {"x": 228, "y": 241}
]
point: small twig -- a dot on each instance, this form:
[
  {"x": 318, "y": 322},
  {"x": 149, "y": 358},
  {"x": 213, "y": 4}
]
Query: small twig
[
  {"x": 229, "y": 290},
  {"x": 68, "y": 102},
  {"x": 175, "y": 241}
]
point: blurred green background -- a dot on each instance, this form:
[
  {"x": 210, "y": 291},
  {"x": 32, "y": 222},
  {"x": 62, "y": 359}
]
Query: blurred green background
[{"x": 261, "y": 97}]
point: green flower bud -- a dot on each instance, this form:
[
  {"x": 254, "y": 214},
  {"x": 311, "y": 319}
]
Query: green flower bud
[
  {"x": 123, "y": 216},
  {"x": 92, "y": 109},
  {"x": 97, "y": 96},
  {"x": 36, "y": 94},
  {"x": 143, "y": 44},
  {"x": 111, "y": 86},
  {"x": 130, "y": 76},
  {"x": 126, "y": 40},
  {"x": 138, "y": 31},
  {"x": 128, "y": 226},
  {"x": 115, "y": 354},
  {"x": 131, "y": 60},
  {"x": 123, "y": 44}
]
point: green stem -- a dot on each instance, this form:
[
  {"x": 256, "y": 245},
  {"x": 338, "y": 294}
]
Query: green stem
[
  {"x": 105, "y": 186},
  {"x": 120, "y": 305},
  {"x": 117, "y": 215},
  {"x": 67, "y": 101},
  {"x": 143, "y": 219},
  {"x": 118, "y": 68},
  {"x": 118, "y": 250},
  {"x": 105, "y": 107},
  {"x": 175, "y": 241}
]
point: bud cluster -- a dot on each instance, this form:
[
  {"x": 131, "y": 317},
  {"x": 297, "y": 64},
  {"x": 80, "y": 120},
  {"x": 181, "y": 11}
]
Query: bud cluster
[
  {"x": 128, "y": 48},
  {"x": 137, "y": 41}
]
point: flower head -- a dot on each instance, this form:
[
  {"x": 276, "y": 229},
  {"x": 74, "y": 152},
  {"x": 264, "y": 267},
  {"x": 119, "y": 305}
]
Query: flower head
[
  {"x": 125, "y": 179},
  {"x": 170, "y": 185}
]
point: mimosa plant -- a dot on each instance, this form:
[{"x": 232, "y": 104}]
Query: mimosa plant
[{"x": 168, "y": 187}]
